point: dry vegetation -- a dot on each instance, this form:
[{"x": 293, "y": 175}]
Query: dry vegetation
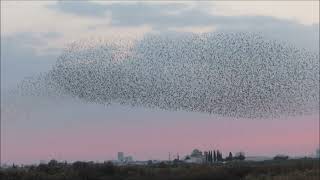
[{"x": 267, "y": 170}]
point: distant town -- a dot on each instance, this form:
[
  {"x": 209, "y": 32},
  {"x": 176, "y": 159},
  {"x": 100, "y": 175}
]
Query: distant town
[
  {"x": 209, "y": 164},
  {"x": 201, "y": 157},
  {"x": 195, "y": 157}
]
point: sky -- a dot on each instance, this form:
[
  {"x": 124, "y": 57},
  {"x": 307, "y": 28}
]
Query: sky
[{"x": 34, "y": 34}]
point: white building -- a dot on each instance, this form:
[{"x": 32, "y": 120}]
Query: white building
[
  {"x": 128, "y": 159},
  {"x": 195, "y": 157},
  {"x": 120, "y": 156},
  {"x": 124, "y": 159}
]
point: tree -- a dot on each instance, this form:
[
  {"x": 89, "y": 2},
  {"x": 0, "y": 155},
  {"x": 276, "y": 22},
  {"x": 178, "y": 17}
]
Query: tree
[
  {"x": 219, "y": 156},
  {"x": 281, "y": 157},
  {"x": 206, "y": 156},
  {"x": 240, "y": 156},
  {"x": 108, "y": 168},
  {"x": 214, "y": 156},
  {"x": 229, "y": 158},
  {"x": 53, "y": 163}
]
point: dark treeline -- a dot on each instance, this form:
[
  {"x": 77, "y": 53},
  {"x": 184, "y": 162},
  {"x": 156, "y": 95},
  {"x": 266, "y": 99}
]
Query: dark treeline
[
  {"x": 216, "y": 156},
  {"x": 296, "y": 169}
]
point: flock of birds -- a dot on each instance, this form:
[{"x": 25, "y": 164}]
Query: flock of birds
[{"x": 229, "y": 74}]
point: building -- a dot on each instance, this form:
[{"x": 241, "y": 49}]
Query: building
[
  {"x": 196, "y": 153},
  {"x": 120, "y": 156},
  {"x": 128, "y": 159},
  {"x": 196, "y": 156},
  {"x": 124, "y": 159}
]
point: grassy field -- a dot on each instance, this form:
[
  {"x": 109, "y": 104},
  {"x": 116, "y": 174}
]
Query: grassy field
[{"x": 297, "y": 169}]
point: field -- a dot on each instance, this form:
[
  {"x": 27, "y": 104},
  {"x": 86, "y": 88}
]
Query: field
[{"x": 298, "y": 169}]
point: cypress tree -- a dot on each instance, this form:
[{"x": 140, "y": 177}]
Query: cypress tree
[
  {"x": 230, "y": 156},
  {"x": 206, "y": 156},
  {"x": 219, "y": 156}
]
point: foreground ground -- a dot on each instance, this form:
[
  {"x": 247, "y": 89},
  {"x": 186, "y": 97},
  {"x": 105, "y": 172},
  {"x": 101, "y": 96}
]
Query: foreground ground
[{"x": 307, "y": 169}]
